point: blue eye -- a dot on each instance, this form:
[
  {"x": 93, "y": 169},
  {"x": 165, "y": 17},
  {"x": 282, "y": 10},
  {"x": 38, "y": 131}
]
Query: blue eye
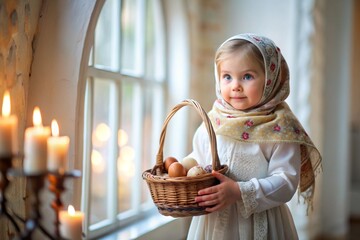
[
  {"x": 248, "y": 76},
  {"x": 227, "y": 77}
]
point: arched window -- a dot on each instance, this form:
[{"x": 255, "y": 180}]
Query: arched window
[{"x": 124, "y": 111}]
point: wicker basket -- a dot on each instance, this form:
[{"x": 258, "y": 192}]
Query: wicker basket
[{"x": 176, "y": 196}]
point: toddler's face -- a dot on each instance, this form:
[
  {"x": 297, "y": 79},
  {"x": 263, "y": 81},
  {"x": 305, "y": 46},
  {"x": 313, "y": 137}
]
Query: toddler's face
[{"x": 241, "y": 81}]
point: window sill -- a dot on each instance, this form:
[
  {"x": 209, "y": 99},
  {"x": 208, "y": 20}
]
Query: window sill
[{"x": 155, "y": 226}]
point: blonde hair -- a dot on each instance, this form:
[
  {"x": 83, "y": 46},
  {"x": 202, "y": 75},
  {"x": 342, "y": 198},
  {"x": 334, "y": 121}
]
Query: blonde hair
[{"x": 237, "y": 45}]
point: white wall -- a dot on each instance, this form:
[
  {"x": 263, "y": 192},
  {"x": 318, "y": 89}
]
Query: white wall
[
  {"x": 336, "y": 177},
  {"x": 274, "y": 19}
]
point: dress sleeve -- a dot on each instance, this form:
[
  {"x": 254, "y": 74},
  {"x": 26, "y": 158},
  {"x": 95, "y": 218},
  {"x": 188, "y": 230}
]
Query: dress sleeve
[
  {"x": 276, "y": 189},
  {"x": 201, "y": 146}
]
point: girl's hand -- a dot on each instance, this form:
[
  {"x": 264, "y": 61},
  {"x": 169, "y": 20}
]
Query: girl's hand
[{"x": 218, "y": 197}]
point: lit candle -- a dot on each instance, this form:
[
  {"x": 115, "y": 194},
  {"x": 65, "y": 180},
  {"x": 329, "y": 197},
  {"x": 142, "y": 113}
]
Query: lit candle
[
  {"x": 58, "y": 148},
  {"x": 71, "y": 223},
  {"x": 35, "y": 146},
  {"x": 8, "y": 128}
]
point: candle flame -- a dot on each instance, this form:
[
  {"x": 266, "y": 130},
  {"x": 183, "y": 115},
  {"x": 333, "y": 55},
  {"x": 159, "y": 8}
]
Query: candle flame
[
  {"x": 71, "y": 210},
  {"x": 37, "y": 117},
  {"x": 6, "y": 107},
  {"x": 54, "y": 128}
]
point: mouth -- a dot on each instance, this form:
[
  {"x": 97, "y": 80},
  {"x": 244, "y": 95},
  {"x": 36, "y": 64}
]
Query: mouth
[{"x": 238, "y": 98}]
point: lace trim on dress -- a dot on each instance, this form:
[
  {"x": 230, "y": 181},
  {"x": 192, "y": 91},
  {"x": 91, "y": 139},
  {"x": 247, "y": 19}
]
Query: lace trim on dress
[
  {"x": 248, "y": 193},
  {"x": 260, "y": 225}
]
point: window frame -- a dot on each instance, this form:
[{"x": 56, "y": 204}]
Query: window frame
[
  {"x": 90, "y": 72},
  {"x": 177, "y": 89}
]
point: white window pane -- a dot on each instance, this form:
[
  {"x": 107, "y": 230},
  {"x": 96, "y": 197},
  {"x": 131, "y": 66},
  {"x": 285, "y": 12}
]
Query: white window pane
[
  {"x": 107, "y": 32},
  {"x": 133, "y": 37},
  {"x": 153, "y": 119},
  {"x": 127, "y": 144},
  {"x": 102, "y": 148},
  {"x": 155, "y": 42}
]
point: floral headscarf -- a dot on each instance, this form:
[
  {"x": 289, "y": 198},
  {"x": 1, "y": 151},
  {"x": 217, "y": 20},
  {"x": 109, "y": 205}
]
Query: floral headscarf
[{"x": 272, "y": 120}]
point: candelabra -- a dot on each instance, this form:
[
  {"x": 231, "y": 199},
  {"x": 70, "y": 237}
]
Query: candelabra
[{"x": 25, "y": 227}]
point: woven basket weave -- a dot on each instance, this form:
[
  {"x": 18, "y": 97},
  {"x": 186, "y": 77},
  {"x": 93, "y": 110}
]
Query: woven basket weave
[{"x": 176, "y": 196}]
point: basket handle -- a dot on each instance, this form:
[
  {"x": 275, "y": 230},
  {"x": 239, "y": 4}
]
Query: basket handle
[{"x": 158, "y": 168}]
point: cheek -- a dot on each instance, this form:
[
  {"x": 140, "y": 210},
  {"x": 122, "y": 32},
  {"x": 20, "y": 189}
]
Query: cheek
[
  {"x": 256, "y": 93},
  {"x": 224, "y": 89},
  {"x": 222, "y": 86}
]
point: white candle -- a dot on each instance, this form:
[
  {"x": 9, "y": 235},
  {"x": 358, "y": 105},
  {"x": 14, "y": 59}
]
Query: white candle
[
  {"x": 35, "y": 146},
  {"x": 71, "y": 223},
  {"x": 58, "y": 148},
  {"x": 8, "y": 128}
]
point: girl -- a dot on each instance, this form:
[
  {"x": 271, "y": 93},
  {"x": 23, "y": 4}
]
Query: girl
[{"x": 267, "y": 150}]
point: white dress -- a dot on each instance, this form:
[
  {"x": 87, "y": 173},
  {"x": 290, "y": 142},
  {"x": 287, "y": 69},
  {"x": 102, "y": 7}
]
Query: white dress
[{"x": 267, "y": 175}]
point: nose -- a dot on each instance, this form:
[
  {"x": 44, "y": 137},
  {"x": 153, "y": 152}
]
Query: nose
[{"x": 236, "y": 86}]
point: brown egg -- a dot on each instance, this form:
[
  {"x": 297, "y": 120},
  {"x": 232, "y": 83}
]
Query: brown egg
[
  {"x": 168, "y": 161},
  {"x": 177, "y": 170}
]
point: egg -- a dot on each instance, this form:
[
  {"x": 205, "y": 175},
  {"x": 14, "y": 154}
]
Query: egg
[
  {"x": 189, "y": 162},
  {"x": 176, "y": 169},
  {"x": 195, "y": 171},
  {"x": 168, "y": 161}
]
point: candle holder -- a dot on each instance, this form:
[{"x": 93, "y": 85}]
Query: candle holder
[
  {"x": 35, "y": 183},
  {"x": 5, "y": 165},
  {"x": 57, "y": 180}
]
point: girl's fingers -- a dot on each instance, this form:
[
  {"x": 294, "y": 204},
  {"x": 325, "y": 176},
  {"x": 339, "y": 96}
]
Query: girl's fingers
[
  {"x": 204, "y": 198},
  {"x": 213, "y": 189},
  {"x": 206, "y": 191},
  {"x": 208, "y": 203},
  {"x": 219, "y": 176}
]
